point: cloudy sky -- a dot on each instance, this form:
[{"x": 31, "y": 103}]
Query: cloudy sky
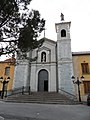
[{"x": 76, "y": 11}]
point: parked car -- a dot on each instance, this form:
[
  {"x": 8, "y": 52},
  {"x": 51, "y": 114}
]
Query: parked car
[{"x": 88, "y": 100}]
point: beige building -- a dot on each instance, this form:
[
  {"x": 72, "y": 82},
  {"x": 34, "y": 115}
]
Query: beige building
[
  {"x": 81, "y": 65},
  {"x": 7, "y": 70}
]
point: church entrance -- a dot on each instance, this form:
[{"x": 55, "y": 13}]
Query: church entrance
[{"x": 43, "y": 80}]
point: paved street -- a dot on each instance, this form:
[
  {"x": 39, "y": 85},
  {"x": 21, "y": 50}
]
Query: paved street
[{"x": 27, "y": 111}]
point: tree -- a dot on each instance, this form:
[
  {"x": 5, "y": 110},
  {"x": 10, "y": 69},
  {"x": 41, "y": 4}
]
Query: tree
[
  {"x": 19, "y": 27},
  {"x": 30, "y": 32}
]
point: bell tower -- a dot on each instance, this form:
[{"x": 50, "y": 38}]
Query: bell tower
[{"x": 64, "y": 56}]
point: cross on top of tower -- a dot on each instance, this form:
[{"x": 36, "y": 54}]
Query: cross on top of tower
[
  {"x": 44, "y": 32},
  {"x": 62, "y": 16}
]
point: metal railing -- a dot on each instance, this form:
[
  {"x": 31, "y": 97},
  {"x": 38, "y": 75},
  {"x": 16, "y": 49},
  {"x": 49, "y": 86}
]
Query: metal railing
[
  {"x": 71, "y": 96},
  {"x": 22, "y": 90}
]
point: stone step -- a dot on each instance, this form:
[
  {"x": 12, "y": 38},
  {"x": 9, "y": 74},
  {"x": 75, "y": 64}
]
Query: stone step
[
  {"x": 39, "y": 97},
  {"x": 45, "y": 102}
]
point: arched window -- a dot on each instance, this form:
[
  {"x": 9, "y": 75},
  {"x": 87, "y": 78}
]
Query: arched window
[
  {"x": 43, "y": 57},
  {"x": 63, "y": 33}
]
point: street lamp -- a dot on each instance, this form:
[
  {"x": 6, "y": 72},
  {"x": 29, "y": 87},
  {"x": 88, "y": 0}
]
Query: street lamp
[
  {"x": 78, "y": 82},
  {"x": 4, "y": 81}
]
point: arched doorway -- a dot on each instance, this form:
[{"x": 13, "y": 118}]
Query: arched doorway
[{"x": 43, "y": 80}]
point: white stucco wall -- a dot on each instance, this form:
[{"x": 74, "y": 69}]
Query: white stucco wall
[
  {"x": 33, "y": 78},
  {"x": 21, "y": 77},
  {"x": 64, "y": 58}
]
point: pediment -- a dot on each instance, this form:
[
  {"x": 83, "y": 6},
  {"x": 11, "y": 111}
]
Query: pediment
[
  {"x": 43, "y": 48},
  {"x": 49, "y": 40}
]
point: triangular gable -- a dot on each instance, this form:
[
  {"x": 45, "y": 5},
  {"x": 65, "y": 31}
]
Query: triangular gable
[
  {"x": 43, "y": 48},
  {"x": 49, "y": 40}
]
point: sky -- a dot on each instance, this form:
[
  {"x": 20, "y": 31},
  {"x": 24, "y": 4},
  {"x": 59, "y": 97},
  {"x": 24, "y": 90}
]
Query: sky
[{"x": 76, "y": 11}]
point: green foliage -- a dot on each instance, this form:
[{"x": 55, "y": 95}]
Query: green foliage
[
  {"x": 30, "y": 32},
  {"x": 19, "y": 27}
]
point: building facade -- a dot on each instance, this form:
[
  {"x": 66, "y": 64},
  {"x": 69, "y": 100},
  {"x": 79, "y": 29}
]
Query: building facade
[
  {"x": 7, "y": 70},
  {"x": 81, "y": 65},
  {"x": 53, "y": 67}
]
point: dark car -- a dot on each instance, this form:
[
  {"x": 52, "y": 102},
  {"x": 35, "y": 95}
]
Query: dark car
[{"x": 88, "y": 100}]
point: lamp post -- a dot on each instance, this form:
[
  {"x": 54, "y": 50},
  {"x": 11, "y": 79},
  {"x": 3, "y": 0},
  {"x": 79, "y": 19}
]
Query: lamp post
[
  {"x": 78, "y": 82},
  {"x": 4, "y": 81}
]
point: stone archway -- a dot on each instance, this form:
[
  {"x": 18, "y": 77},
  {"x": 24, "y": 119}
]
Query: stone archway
[{"x": 43, "y": 80}]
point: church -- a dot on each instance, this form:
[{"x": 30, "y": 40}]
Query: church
[{"x": 53, "y": 68}]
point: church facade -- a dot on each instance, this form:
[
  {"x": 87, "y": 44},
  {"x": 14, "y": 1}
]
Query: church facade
[{"x": 53, "y": 68}]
